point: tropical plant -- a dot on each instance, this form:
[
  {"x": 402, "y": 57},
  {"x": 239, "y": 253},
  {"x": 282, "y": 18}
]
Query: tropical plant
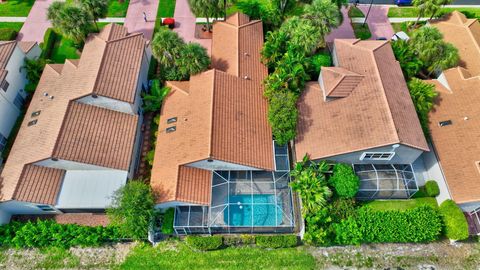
[
  {"x": 283, "y": 7},
  {"x": 340, "y": 3},
  {"x": 309, "y": 181},
  {"x": 193, "y": 59},
  {"x": 304, "y": 35},
  {"x": 344, "y": 180},
  {"x": 282, "y": 116},
  {"x": 207, "y": 8},
  {"x": 72, "y": 21},
  {"x": 166, "y": 47},
  {"x": 34, "y": 68},
  {"x": 423, "y": 96},
  {"x": 153, "y": 99},
  {"x": 407, "y": 58},
  {"x": 324, "y": 15},
  {"x": 439, "y": 4},
  {"x": 96, "y": 8},
  {"x": 132, "y": 209},
  {"x": 425, "y": 7}
]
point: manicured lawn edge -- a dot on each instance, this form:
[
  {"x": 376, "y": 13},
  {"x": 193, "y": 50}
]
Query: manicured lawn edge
[
  {"x": 401, "y": 205},
  {"x": 16, "y": 8},
  {"x": 361, "y": 31}
]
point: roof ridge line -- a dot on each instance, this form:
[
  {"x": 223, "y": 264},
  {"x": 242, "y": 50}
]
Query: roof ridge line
[
  {"x": 212, "y": 114},
  {"x": 122, "y": 38}
]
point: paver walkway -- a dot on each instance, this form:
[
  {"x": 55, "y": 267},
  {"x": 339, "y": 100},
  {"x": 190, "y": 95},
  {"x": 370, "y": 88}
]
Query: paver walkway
[
  {"x": 135, "y": 21},
  {"x": 345, "y": 30},
  {"x": 36, "y": 23},
  {"x": 185, "y": 24},
  {"x": 24, "y": 19},
  {"x": 378, "y": 21}
]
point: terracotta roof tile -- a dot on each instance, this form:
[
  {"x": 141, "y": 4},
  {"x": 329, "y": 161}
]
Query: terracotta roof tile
[
  {"x": 26, "y": 46},
  {"x": 39, "y": 185},
  {"x": 458, "y": 145},
  {"x": 220, "y": 115},
  {"x": 6, "y": 50},
  {"x": 378, "y": 112}
]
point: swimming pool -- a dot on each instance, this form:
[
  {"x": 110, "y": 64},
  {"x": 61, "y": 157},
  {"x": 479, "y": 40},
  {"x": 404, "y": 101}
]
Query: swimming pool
[{"x": 265, "y": 212}]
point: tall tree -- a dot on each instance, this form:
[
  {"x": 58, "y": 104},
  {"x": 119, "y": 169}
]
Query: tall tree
[
  {"x": 54, "y": 10},
  {"x": 407, "y": 58},
  {"x": 424, "y": 7},
  {"x": 423, "y": 96},
  {"x": 193, "y": 59},
  {"x": 324, "y": 15},
  {"x": 207, "y": 8},
  {"x": 166, "y": 46},
  {"x": 71, "y": 21},
  {"x": 96, "y": 8},
  {"x": 440, "y": 3}
]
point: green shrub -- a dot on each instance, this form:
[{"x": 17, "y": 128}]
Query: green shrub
[
  {"x": 431, "y": 188},
  {"x": 8, "y": 34},
  {"x": 347, "y": 232},
  {"x": 48, "y": 43},
  {"x": 344, "y": 180},
  {"x": 48, "y": 233},
  {"x": 421, "y": 224},
  {"x": 239, "y": 240},
  {"x": 204, "y": 243},
  {"x": 276, "y": 241},
  {"x": 167, "y": 223},
  {"x": 318, "y": 61},
  {"x": 343, "y": 208},
  {"x": 456, "y": 226}
]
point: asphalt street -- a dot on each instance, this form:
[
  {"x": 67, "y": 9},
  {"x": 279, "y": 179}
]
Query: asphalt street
[{"x": 390, "y": 2}]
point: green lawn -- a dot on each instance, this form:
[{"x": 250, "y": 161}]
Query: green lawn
[
  {"x": 406, "y": 12},
  {"x": 115, "y": 8},
  {"x": 384, "y": 205},
  {"x": 176, "y": 255},
  {"x": 166, "y": 8},
  {"x": 16, "y": 8},
  {"x": 355, "y": 12},
  {"x": 361, "y": 31},
  {"x": 12, "y": 25},
  {"x": 63, "y": 49}
]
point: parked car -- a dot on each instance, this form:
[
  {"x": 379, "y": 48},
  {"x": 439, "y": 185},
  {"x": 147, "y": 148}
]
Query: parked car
[{"x": 403, "y": 2}]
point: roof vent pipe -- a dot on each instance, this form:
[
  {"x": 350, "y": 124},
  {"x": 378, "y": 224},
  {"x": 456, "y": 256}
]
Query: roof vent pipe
[
  {"x": 246, "y": 77},
  {"x": 45, "y": 94}
]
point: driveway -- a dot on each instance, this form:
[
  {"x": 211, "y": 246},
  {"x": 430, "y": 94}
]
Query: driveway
[
  {"x": 135, "y": 21},
  {"x": 36, "y": 23},
  {"x": 185, "y": 24},
  {"x": 345, "y": 30},
  {"x": 378, "y": 21}
]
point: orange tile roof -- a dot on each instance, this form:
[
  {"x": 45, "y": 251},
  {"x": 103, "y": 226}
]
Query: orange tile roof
[
  {"x": 458, "y": 145},
  {"x": 39, "y": 185},
  {"x": 220, "y": 115},
  {"x": 26, "y": 46},
  {"x": 65, "y": 83},
  {"x": 377, "y": 112},
  {"x": 6, "y": 50}
]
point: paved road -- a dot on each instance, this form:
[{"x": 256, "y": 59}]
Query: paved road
[
  {"x": 135, "y": 21},
  {"x": 378, "y": 22},
  {"x": 36, "y": 23},
  {"x": 185, "y": 24},
  {"x": 391, "y": 2}
]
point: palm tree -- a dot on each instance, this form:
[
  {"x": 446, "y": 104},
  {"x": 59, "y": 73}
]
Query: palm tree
[
  {"x": 97, "y": 9},
  {"x": 193, "y": 59},
  {"x": 71, "y": 21},
  {"x": 425, "y": 7},
  {"x": 324, "y": 15},
  {"x": 304, "y": 35},
  {"x": 207, "y": 8},
  {"x": 153, "y": 100},
  {"x": 54, "y": 10},
  {"x": 407, "y": 58},
  {"x": 440, "y": 3},
  {"x": 166, "y": 47}
]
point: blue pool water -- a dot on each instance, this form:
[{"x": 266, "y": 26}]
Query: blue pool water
[{"x": 264, "y": 214}]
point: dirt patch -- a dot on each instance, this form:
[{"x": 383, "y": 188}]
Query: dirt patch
[{"x": 438, "y": 255}]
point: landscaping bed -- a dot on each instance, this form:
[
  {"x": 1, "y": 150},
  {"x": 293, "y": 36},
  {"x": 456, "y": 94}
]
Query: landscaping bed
[
  {"x": 361, "y": 31},
  {"x": 16, "y": 8},
  {"x": 354, "y": 12}
]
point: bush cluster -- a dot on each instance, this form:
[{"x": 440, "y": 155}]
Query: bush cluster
[
  {"x": 167, "y": 222},
  {"x": 276, "y": 241},
  {"x": 432, "y": 189},
  {"x": 344, "y": 180},
  {"x": 456, "y": 226},
  {"x": 242, "y": 240},
  {"x": 204, "y": 243},
  {"x": 48, "y": 43},
  {"x": 48, "y": 233},
  {"x": 7, "y": 34},
  {"x": 421, "y": 224}
]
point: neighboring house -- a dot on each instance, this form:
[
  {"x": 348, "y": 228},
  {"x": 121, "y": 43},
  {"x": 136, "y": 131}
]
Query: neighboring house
[
  {"x": 360, "y": 112},
  {"x": 12, "y": 83},
  {"x": 79, "y": 141},
  {"x": 454, "y": 120},
  {"x": 215, "y": 160}
]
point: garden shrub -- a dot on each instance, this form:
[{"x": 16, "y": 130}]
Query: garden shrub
[
  {"x": 456, "y": 226},
  {"x": 431, "y": 188},
  {"x": 343, "y": 208},
  {"x": 8, "y": 34},
  {"x": 244, "y": 239},
  {"x": 48, "y": 43},
  {"x": 276, "y": 241},
  {"x": 344, "y": 180},
  {"x": 204, "y": 243},
  {"x": 347, "y": 232},
  {"x": 167, "y": 223},
  {"x": 421, "y": 224},
  {"x": 318, "y": 61},
  {"x": 48, "y": 233}
]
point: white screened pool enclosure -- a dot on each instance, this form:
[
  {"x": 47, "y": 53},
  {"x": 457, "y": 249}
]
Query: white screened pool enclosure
[
  {"x": 385, "y": 181},
  {"x": 243, "y": 202}
]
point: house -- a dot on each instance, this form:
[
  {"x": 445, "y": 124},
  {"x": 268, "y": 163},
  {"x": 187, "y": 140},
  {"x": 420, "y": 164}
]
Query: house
[
  {"x": 215, "y": 159},
  {"x": 79, "y": 141},
  {"x": 360, "y": 112},
  {"x": 454, "y": 120},
  {"x": 12, "y": 83}
]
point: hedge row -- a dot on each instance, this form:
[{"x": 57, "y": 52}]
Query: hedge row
[
  {"x": 48, "y": 233},
  {"x": 167, "y": 222},
  {"x": 456, "y": 226},
  {"x": 421, "y": 224},
  {"x": 206, "y": 243},
  {"x": 8, "y": 34},
  {"x": 48, "y": 43}
]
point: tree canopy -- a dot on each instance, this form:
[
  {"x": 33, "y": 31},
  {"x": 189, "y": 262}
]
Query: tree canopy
[
  {"x": 423, "y": 96},
  {"x": 71, "y": 20},
  {"x": 96, "y": 8}
]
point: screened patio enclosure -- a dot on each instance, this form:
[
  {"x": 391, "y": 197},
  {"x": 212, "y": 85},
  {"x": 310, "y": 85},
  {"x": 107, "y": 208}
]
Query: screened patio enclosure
[
  {"x": 243, "y": 202},
  {"x": 385, "y": 181}
]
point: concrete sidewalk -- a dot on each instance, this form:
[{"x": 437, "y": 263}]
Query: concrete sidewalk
[
  {"x": 36, "y": 23},
  {"x": 185, "y": 24},
  {"x": 135, "y": 21}
]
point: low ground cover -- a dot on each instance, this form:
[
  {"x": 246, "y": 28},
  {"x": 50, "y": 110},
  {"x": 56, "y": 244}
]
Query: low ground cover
[
  {"x": 361, "y": 31},
  {"x": 355, "y": 12},
  {"x": 9, "y": 30},
  {"x": 177, "y": 255},
  {"x": 412, "y": 12},
  {"x": 16, "y": 8}
]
